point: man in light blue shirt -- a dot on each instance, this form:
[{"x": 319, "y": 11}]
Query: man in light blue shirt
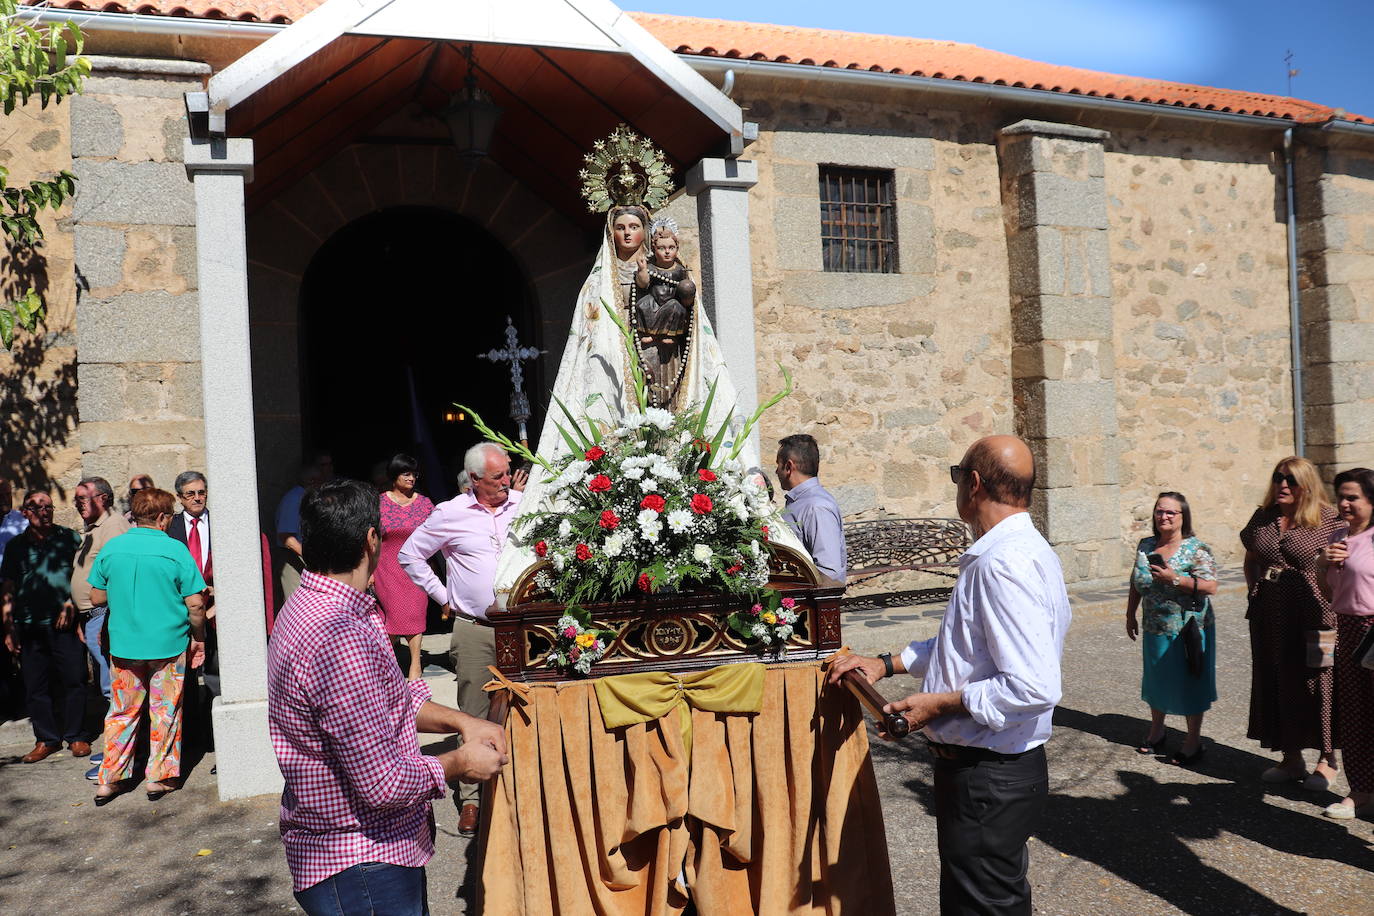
[
  {"x": 810, "y": 509},
  {"x": 991, "y": 682}
]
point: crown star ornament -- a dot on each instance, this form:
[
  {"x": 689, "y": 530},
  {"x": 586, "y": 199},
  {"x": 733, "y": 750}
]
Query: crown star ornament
[{"x": 625, "y": 169}]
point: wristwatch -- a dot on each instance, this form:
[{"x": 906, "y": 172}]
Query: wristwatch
[
  {"x": 888, "y": 668},
  {"x": 1178, "y": 580}
]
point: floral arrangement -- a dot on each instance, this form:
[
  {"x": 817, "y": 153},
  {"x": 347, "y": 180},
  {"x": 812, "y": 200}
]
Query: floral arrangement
[
  {"x": 769, "y": 622},
  {"x": 577, "y": 643},
  {"x": 650, "y": 502}
]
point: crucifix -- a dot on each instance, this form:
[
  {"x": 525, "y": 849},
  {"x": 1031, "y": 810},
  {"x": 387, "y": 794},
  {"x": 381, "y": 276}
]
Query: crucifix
[{"x": 515, "y": 354}]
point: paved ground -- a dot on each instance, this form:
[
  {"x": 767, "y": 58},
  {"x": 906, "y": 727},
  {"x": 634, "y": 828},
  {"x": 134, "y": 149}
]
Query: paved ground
[{"x": 1124, "y": 833}]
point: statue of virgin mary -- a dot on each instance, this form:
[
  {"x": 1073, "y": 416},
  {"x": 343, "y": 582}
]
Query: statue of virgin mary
[{"x": 627, "y": 178}]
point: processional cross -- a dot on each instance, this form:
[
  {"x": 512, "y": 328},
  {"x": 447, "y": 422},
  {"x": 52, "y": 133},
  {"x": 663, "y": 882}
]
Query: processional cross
[{"x": 515, "y": 354}]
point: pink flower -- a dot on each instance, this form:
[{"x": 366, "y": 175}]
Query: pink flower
[
  {"x": 789, "y": 603},
  {"x": 574, "y": 653},
  {"x": 757, "y": 609},
  {"x": 569, "y": 632}
]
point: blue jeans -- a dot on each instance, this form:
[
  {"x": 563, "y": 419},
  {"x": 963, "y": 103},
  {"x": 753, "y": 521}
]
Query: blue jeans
[
  {"x": 369, "y": 889},
  {"x": 92, "y": 630}
]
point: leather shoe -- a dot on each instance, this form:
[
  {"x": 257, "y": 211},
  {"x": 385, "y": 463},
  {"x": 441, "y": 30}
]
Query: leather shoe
[
  {"x": 467, "y": 821},
  {"x": 80, "y": 748},
  {"x": 41, "y": 751}
]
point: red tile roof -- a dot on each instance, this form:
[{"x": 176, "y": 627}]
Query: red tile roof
[{"x": 843, "y": 50}]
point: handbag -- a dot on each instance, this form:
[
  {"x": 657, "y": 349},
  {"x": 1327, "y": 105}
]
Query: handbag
[
  {"x": 1191, "y": 634},
  {"x": 1364, "y": 653},
  {"x": 1321, "y": 647}
]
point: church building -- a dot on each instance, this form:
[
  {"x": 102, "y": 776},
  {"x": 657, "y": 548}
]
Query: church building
[{"x": 302, "y": 226}]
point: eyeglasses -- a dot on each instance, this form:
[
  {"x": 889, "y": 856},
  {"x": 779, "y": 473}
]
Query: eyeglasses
[
  {"x": 82, "y": 500},
  {"x": 191, "y": 494},
  {"x": 36, "y": 507},
  {"x": 957, "y": 472},
  {"x": 1167, "y": 513},
  {"x": 1280, "y": 477}
]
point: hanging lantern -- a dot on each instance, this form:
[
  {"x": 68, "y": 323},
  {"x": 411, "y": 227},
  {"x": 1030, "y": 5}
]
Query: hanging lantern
[{"x": 471, "y": 116}]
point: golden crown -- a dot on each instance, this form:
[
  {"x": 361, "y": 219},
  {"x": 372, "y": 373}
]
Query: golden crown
[{"x": 625, "y": 169}]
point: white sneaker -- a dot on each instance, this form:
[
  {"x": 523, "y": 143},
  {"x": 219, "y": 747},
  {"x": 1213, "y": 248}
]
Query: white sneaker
[{"x": 1341, "y": 811}]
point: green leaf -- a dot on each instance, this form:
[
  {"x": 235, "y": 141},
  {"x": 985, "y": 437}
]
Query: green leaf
[
  {"x": 6, "y": 327},
  {"x": 576, "y": 427},
  {"x": 706, "y": 409}
]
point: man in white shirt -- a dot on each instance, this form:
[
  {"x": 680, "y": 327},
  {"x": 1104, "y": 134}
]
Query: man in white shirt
[{"x": 991, "y": 682}]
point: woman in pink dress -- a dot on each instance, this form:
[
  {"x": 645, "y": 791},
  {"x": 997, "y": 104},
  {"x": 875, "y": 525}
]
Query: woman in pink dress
[{"x": 403, "y": 602}]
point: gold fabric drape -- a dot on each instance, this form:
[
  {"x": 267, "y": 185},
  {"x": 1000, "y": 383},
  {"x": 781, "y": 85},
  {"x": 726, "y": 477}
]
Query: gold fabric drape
[{"x": 775, "y": 812}]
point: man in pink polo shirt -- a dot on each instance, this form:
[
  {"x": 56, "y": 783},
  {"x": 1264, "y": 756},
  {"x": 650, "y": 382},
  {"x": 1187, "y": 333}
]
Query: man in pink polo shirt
[
  {"x": 355, "y": 812},
  {"x": 470, "y": 530}
]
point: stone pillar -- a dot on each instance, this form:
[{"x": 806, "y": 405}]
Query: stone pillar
[
  {"x": 218, "y": 170},
  {"x": 1055, "y": 206},
  {"x": 1335, "y": 208},
  {"x": 721, "y": 188},
  {"x": 138, "y": 344}
]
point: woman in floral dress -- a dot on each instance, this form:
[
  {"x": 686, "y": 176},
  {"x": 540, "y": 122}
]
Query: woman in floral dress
[
  {"x": 404, "y": 604},
  {"x": 1172, "y": 592},
  {"x": 1290, "y": 702}
]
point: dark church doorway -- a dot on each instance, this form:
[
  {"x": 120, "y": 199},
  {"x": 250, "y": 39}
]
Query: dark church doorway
[{"x": 395, "y": 308}]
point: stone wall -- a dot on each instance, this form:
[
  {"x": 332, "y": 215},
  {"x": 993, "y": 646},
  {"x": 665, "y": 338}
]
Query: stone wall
[
  {"x": 138, "y": 329},
  {"x": 895, "y": 373},
  {"x": 1199, "y": 276},
  {"x": 38, "y": 441},
  {"x": 1335, "y": 208}
]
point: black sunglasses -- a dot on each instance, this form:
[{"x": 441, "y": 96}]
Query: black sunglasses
[
  {"x": 957, "y": 471},
  {"x": 1280, "y": 477}
]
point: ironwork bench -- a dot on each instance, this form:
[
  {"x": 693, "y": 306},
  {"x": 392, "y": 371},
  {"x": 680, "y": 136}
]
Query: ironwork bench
[{"x": 880, "y": 547}]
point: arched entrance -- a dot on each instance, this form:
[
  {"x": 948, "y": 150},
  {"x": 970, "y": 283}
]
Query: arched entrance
[{"x": 394, "y": 309}]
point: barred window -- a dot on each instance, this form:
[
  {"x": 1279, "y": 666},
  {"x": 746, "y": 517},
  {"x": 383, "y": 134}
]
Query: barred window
[{"x": 858, "y": 221}]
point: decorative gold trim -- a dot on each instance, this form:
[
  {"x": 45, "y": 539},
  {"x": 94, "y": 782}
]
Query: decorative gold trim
[{"x": 623, "y": 170}]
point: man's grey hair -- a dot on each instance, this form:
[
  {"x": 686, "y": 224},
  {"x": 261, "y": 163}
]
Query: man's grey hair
[
  {"x": 475, "y": 459},
  {"x": 186, "y": 477},
  {"x": 464, "y": 480},
  {"x": 102, "y": 487}
]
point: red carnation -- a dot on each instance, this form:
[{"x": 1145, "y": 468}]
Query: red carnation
[
  {"x": 653, "y": 501},
  {"x": 609, "y": 520},
  {"x": 541, "y": 549},
  {"x": 734, "y": 570},
  {"x": 584, "y": 552},
  {"x": 595, "y": 453},
  {"x": 701, "y": 504},
  {"x": 599, "y": 484},
  {"x": 706, "y": 474},
  {"x": 765, "y": 531},
  {"x": 701, "y": 445},
  {"x": 646, "y": 582}
]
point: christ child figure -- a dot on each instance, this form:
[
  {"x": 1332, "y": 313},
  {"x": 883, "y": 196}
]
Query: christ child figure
[{"x": 663, "y": 306}]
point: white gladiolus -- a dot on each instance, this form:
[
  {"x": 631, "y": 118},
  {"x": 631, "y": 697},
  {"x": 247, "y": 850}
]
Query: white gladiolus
[
  {"x": 564, "y": 529},
  {"x": 701, "y": 553},
  {"x": 679, "y": 520},
  {"x": 736, "y": 505}
]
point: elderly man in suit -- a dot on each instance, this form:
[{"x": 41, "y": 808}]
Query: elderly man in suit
[{"x": 191, "y": 526}]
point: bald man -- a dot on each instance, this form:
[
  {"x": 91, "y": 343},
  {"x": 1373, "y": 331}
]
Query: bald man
[{"x": 991, "y": 682}]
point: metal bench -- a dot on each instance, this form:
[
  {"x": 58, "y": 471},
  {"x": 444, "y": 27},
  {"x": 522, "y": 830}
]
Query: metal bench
[{"x": 880, "y": 547}]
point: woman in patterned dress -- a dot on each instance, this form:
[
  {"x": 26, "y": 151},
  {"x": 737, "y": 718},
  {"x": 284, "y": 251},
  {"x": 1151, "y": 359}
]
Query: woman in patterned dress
[
  {"x": 404, "y": 604},
  {"x": 1172, "y": 592},
  {"x": 1349, "y": 581},
  {"x": 1290, "y": 703}
]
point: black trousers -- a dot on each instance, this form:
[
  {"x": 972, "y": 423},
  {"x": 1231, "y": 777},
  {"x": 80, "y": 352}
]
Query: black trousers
[
  {"x": 54, "y": 660},
  {"x": 985, "y": 810}
]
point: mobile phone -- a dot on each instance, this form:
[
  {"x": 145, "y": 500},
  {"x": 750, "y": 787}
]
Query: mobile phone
[{"x": 1155, "y": 559}]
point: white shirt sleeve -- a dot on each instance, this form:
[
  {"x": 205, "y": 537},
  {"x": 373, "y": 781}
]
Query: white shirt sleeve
[
  {"x": 916, "y": 657},
  {"x": 423, "y": 543},
  {"x": 1020, "y": 639}
]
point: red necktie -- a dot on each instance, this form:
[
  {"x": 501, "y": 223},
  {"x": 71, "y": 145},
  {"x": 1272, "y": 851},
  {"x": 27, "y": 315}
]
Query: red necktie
[{"x": 193, "y": 542}]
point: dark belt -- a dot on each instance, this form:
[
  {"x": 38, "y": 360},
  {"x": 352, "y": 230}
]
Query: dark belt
[{"x": 964, "y": 753}]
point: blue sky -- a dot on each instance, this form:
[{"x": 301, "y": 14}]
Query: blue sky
[{"x": 1236, "y": 44}]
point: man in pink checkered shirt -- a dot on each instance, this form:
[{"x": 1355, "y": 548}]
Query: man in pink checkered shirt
[{"x": 355, "y": 813}]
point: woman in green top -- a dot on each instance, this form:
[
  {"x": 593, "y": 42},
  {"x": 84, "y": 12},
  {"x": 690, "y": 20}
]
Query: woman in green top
[
  {"x": 156, "y": 618},
  {"x": 1173, "y": 576}
]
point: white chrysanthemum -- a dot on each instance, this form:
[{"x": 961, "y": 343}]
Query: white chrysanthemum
[
  {"x": 573, "y": 473},
  {"x": 633, "y": 472},
  {"x": 679, "y": 520},
  {"x": 559, "y": 561},
  {"x": 659, "y": 417},
  {"x": 700, "y": 552},
  {"x": 647, "y": 517},
  {"x": 564, "y": 529},
  {"x": 613, "y": 545},
  {"x": 633, "y": 420},
  {"x": 649, "y": 485},
  {"x": 650, "y": 532},
  {"x": 664, "y": 471}
]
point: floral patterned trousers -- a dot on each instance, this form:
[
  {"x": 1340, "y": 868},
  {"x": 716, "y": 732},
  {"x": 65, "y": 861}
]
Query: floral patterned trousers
[{"x": 159, "y": 681}]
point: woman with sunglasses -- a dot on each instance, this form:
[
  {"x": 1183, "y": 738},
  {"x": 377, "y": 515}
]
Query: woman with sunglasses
[
  {"x": 1174, "y": 575},
  {"x": 1349, "y": 582},
  {"x": 1290, "y": 701}
]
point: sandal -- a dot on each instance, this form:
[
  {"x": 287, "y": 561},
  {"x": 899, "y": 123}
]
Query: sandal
[
  {"x": 1152, "y": 747},
  {"x": 1180, "y": 759},
  {"x": 158, "y": 789},
  {"x": 106, "y": 794}
]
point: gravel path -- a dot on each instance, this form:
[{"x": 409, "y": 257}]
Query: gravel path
[{"x": 1124, "y": 833}]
